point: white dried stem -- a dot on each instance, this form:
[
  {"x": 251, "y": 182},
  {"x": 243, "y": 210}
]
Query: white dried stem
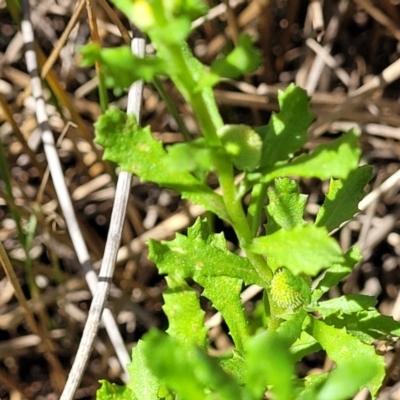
[
  {"x": 110, "y": 252},
  {"x": 61, "y": 187}
]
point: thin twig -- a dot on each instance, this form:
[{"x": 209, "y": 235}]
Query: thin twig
[
  {"x": 61, "y": 42},
  {"x": 30, "y": 319},
  {"x": 94, "y": 34},
  {"x": 215, "y": 12},
  {"x": 393, "y": 180},
  {"x": 319, "y": 61},
  {"x": 61, "y": 188},
  {"x": 317, "y": 18},
  {"x": 163, "y": 230},
  {"x": 328, "y": 59},
  {"x": 110, "y": 252},
  {"x": 114, "y": 18},
  {"x": 380, "y": 17},
  {"x": 11, "y": 384},
  {"x": 232, "y": 23},
  {"x": 8, "y": 116},
  {"x": 387, "y": 76}
]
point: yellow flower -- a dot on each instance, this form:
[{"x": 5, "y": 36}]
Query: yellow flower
[{"x": 143, "y": 15}]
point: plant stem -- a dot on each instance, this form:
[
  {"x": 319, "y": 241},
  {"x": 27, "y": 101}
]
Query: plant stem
[
  {"x": 5, "y": 176},
  {"x": 91, "y": 10},
  {"x": 24, "y": 239},
  {"x": 258, "y": 195},
  {"x": 172, "y": 109},
  {"x": 186, "y": 72}
]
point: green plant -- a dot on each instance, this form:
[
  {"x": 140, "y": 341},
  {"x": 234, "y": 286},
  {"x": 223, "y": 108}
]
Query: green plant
[{"x": 283, "y": 261}]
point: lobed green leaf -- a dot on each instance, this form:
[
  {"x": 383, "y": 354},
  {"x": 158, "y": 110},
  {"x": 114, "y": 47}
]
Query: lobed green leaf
[
  {"x": 348, "y": 304},
  {"x": 367, "y": 326},
  {"x": 242, "y": 59},
  {"x": 286, "y": 132},
  {"x": 204, "y": 80},
  {"x": 188, "y": 370},
  {"x": 304, "y": 249},
  {"x": 120, "y": 67},
  {"x": 344, "y": 348},
  {"x": 144, "y": 384},
  {"x": 185, "y": 316},
  {"x": 228, "y": 303},
  {"x": 195, "y": 156},
  {"x": 347, "y": 379},
  {"x": 116, "y": 132},
  {"x": 189, "y": 256},
  {"x": 235, "y": 366},
  {"x": 286, "y": 206},
  {"x": 336, "y": 159},
  {"x": 111, "y": 391},
  {"x": 269, "y": 362},
  {"x": 304, "y": 345},
  {"x": 341, "y": 201},
  {"x": 337, "y": 272}
]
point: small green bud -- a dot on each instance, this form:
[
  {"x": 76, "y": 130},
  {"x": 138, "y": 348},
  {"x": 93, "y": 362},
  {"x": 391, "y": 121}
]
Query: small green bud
[
  {"x": 243, "y": 144},
  {"x": 288, "y": 291}
]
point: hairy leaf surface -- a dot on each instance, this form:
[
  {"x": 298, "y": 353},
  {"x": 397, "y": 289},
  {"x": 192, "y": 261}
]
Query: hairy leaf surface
[
  {"x": 336, "y": 159},
  {"x": 286, "y": 132},
  {"x": 344, "y": 348},
  {"x": 286, "y": 206},
  {"x": 304, "y": 249},
  {"x": 341, "y": 202},
  {"x": 117, "y": 132}
]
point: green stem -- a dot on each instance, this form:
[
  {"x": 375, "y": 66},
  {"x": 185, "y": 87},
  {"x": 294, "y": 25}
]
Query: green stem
[
  {"x": 258, "y": 195},
  {"x": 28, "y": 260},
  {"x": 172, "y": 109},
  {"x": 186, "y": 72},
  {"x": 14, "y": 8},
  {"x": 238, "y": 218},
  {"x": 24, "y": 239},
  {"x": 103, "y": 96},
  {"x": 5, "y": 175}
]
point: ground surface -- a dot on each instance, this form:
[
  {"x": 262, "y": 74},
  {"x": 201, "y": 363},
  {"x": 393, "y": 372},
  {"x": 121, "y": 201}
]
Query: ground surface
[{"x": 357, "y": 40}]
